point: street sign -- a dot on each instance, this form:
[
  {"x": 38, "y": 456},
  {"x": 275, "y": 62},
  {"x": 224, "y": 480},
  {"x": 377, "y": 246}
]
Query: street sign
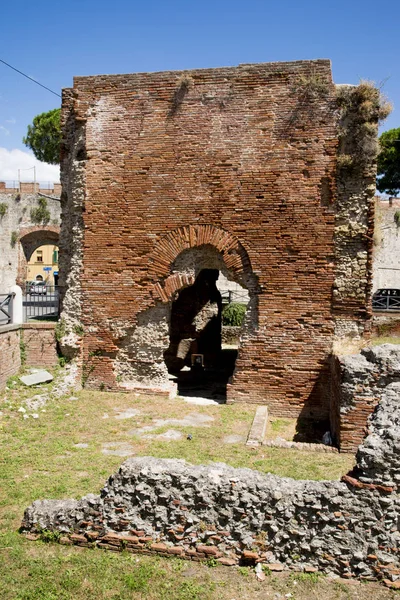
[{"x": 47, "y": 269}]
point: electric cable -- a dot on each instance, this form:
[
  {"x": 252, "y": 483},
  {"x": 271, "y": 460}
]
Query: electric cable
[{"x": 27, "y": 76}]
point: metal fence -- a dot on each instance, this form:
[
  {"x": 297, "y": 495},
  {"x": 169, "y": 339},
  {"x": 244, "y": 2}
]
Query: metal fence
[
  {"x": 386, "y": 303},
  {"x": 15, "y": 183},
  {"x": 40, "y": 302},
  {"x": 5, "y": 308},
  {"x": 229, "y": 296}
]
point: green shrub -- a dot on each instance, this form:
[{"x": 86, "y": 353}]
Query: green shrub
[
  {"x": 233, "y": 314},
  {"x": 22, "y": 349},
  {"x": 41, "y": 214},
  {"x": 3, "y": 209},
  {"x": 60, "y": 330}
]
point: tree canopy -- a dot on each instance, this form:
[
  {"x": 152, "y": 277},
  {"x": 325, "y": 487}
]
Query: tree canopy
[
  {"x": 388, "y": 180},
  {"x": 44, "y": 136}
]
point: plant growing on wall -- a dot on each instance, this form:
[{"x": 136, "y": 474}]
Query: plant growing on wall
[
  {"x": 14, "y": 238},
  {"x": 41, "y": 214},
  {"x": 180, "y": 92},
  {"x": 363, "y": 108},
  {"x": 233, "y": 314},
  {"x": 312, "y": 85},
  {"x": 60, "y": 330},
  {"x": 3, "y": 209}
]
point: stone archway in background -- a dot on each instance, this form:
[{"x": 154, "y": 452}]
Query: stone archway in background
[{"x": 29, "y": 240}]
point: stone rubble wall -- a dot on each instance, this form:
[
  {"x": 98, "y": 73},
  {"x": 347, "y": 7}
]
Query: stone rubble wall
[
  {"x": 385, "y": 324},
  {"x": 230, "y": 334},
  {"x": 360, "y": 112},
  {"x": 378, "y": 457},
  {"x": 169, "y": 507},
  {"x": 358, "y": 383},
  {"x": 73, "y": 169}
]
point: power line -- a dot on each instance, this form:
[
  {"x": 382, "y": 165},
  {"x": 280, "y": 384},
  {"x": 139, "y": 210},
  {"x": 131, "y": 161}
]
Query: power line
[{"x": 27, "y": 76}]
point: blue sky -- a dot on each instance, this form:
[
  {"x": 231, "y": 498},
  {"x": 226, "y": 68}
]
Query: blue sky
[{"x": 53, "y": 41}]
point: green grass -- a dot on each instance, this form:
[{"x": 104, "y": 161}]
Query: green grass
[
  {"x": 385, "y": 340},
  {"x": 38, "y": 460}
]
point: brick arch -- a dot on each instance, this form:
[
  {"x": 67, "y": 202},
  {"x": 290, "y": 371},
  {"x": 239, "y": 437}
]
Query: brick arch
[
  {"x": 31, "y": 238},
  {"x": 170, "y": 246}
]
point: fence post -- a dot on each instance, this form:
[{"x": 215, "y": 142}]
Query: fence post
[{"x": 16, "y": 311}]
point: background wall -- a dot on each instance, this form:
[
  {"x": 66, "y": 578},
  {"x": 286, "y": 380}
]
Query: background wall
[
  {"x": 17, "y": 217},
  {"x": 386, "y": 272}
]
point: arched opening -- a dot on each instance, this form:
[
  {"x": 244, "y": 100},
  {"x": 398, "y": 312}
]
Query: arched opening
[
  {"x": 38, "y": 249},
  {"x": 175, "y": 345},
  {"x": 38, "y": 272},
  {"x": 202, "y": 352},
  {"x": 201, "y": 357}
]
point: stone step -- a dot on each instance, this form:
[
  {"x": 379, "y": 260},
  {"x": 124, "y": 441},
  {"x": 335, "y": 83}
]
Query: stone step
[{"x": 259, "y": 427}]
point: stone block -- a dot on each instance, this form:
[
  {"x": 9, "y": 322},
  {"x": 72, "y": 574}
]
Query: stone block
[{"x": 36, "y": 378}]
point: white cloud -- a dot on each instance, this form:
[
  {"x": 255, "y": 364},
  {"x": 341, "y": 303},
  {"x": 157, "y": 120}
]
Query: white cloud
[
  {"x": 4, "y": 130},
  {"x": 12, "y": 121},
  {"x": 12, "y": 160}
]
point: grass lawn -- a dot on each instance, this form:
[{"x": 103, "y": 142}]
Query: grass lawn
[{"x": 76, "y": 442}]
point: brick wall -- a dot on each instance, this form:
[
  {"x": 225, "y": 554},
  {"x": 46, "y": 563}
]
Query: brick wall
[
  {"x": 242, "y": 160},
  {"x": 40, "y": 344},
  {"x": 10, "y": 359}
]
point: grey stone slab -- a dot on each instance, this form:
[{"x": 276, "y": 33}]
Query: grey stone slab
[
  {"x": 37, "y": 378},
  {"x": 117, "y": 449},
  {"x": 171, "y": 434},
  {"x": 233, "y": 439},
  {"x": 127, "y": 413},
  {"x": 259, "y": 427}
]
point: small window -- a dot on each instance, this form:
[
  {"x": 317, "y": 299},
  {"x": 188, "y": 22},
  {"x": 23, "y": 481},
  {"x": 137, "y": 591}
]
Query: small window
[
  {"x": 55, "y": 257},
  {"x": 39, "y": 256}
]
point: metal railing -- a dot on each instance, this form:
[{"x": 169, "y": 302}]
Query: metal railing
[
  {"x": 229, "y": 296},
  {"x": 5, "y": 306},
  {"x": 43, "y": 185},
  {"x": 386, "y": 303},
  {"x": 40, "y": 302}
]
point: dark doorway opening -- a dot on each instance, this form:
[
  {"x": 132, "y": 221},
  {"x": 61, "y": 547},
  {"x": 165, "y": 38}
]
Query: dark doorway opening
[{"x": 196, "y": 358}]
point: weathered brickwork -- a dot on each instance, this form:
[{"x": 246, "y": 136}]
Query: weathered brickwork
[
  {"x": 40, "y": 344},
  {"x": 234, "y": 169},
  {"x": 10, "y": 358}
]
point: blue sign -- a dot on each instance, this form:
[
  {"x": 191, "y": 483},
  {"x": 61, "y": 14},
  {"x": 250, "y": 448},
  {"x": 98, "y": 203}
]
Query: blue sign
[{"x": 47, "y": 269}]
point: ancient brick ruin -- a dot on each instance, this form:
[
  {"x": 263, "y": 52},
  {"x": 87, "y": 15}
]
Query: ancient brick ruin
[{"x": 263, "y": 172}]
